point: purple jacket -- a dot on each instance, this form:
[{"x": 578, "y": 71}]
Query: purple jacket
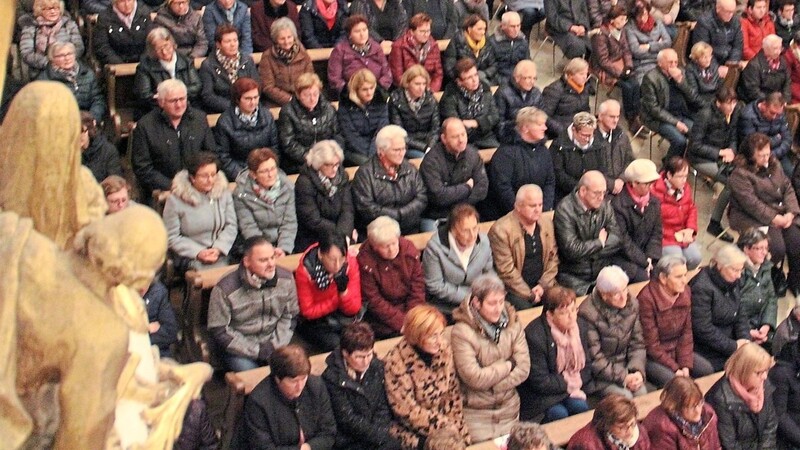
[{"x": 344, "y": 62}]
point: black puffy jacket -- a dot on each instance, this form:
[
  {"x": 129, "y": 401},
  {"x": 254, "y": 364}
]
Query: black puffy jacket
[
  {"x": 363, "y": 416},
  {"x": 485, "y": 61},
  {"x": 114, "y": 43},
  {"x": 360, "y": 124},
  {"x": 235, "y": 139},
  {"x": 299, "y": 129},
  {"x": 561, "y": 102},
  {"x": 455, "y": 104},
  {"x": 510, "y": 99},
  {"x": 422, "y": 126},
  {"x": 216, "y": 84},
  {"x": 88, "y": 93},
  {"x": 319, "y": 212},
  {"x": 376, "y": 194},
  {"x": 150, "y": 73}
]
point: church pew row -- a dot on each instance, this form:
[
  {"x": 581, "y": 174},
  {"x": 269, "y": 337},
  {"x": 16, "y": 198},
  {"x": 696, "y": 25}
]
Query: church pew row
[
  {"x": 119, "y": 85},
  {"x": 198, "y": 291},
  {"x": 240, "y": 384}
]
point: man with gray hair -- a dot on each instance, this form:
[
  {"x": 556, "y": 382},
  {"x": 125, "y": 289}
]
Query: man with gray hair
[
  {"x": 619, "y": 152},
  {"x": 165, "y": 137},
  {"x": 614, "y": 334},
  {"x": 510, "y": 46},
  {"x": 526, "y": 161},
  {"x": 667, "y": 101},
  {"x": 586, "y": 232},
  {"x": 388, "y": 185},
  {"x": 576, "y": 152},
  {"x": 767, "y": 72},
  {"x": 524, "y": 249}
]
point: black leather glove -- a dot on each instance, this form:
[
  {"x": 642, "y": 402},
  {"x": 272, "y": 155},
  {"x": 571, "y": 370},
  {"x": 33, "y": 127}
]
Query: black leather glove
[{"x": 341, "y": 279}]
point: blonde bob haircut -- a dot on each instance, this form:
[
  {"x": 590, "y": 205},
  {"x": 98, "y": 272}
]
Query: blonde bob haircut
[
  {"x": 305, "y": 81},
  {"x": 362, "y": 77},
  {"x": 413, "y": 72},
  {"x": 575, "y": 65},
  {"x": 746, "y": 360},
  {"x": 700, "y": 49},
  {"x": 421, "y": 322},
  {"x": 40, "y": 5}
]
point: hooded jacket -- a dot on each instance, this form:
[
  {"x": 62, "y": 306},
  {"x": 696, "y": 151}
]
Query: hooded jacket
[
  {"x": 275, "y": 221},
  {"x": 491, "y": 402},
  {"x": 197, "y": 221},
  {"x": 664, "y": 432}
]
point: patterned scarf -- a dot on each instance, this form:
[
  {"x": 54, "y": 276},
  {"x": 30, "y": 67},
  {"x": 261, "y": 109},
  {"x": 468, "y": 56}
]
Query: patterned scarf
[
  {"x": 71, "y": 75},
  {"x": 327, "y": 12},
  {"x": 475, "y": 105},
  {"x": 317, "y": 271},
  {"x": 268, "y": 195},
  {"x": 361, "y": 49},
  {"x": 415, "y": 105},
  {"x": 328, "y": 184},
  {"x": 248, "y": 119},
  {"x": 692, "y": 429},
  {"x": 420, "y": 50},
  {"x": 286, "y": 56},
  {"x": 229, "y": 65},
  {"x": 492, "y": 330},
  {"x": 45, "y": 32}
]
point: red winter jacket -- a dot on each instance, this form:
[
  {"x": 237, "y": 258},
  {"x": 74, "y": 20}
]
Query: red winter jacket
[
  {"x": 794, "y": 73},
  {"x": 587, "y": 438},
  {"x": 392, "y": 287},
  {"x": 753, "y": 33},
  {"x": 675, "y": 214},
  {"x": 665, "y": 433},
  {"x": 402, "y": 57},
  {"x": 315, "y": 304}
]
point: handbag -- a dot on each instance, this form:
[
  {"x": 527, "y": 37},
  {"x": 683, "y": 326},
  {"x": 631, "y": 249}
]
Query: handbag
[{"x": 779, "y": 280}]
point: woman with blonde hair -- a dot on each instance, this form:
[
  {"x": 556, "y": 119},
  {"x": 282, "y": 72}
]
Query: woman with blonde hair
[
  {"x": 743, "y": 401},
  {"x": 702, "y": 72},
  {"x": 362, "y": 112},
  {"x": 421, "y": 382},
  {"x": 414, "y": 108}
]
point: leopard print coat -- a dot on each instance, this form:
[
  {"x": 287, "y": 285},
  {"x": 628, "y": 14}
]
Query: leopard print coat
[{"x": 423, "y": 398}]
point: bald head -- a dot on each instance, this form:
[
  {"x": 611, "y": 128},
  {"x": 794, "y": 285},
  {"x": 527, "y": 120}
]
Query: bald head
[
  {"x": 592, "y": 189},
  {"x": 725, "y": 10}
]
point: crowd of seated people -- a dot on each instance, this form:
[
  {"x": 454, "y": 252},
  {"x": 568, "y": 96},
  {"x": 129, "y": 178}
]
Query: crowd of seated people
[{"x": 615, "y": 218}]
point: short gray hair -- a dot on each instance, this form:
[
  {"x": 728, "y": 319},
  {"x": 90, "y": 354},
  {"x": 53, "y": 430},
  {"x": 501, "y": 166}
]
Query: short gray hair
[
  {"x": 58, "y": 45},
  {"x": 728, "y": 255},
  {"x": 507, "y": 17},
  {"x": 383, "y": 229},
  {"x": 322, "y": 152},
  {"x": 284, "y": 23},
  {"x": 584, "y": 119},
  {"x": 170, "y": 85},
  {"x": 525, "y": 189},
  {"x": 751, "y": 237},
  {"x": 529, "y": 114},
  {"x": 386, "y": 134},
  {"x": 156, "y": 34},
  {"x": 606, "y": 103},
  {"x": 667, "y": 263},
  {"x": 611, "y": 279},
  {"x": 772, "y": 39},
  {"x": 486, "y": 284},
  {"x": 527, "y": 435}
]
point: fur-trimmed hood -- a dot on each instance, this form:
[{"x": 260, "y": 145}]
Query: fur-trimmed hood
[{"x": 183, "y": 189}]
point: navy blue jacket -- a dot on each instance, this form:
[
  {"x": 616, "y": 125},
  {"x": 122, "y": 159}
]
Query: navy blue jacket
[{"x": 517, "y": 164}]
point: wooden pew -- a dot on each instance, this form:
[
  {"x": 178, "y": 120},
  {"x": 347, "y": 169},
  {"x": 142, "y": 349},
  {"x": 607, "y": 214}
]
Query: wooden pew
[
  {"x": 560, "y": 431},
  {"x": 240, "y": 384},
  {"x": 198, "y": 291},
  {"x": 119, "y": 83}
]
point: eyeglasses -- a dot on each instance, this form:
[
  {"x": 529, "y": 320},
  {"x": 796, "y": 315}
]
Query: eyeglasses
[
  {"x": 423, "y": 31},
  {"x": 206, "y": 176},
  {"x": 267, "y": 170},
  {"x": 51, "y": 8},
  {"x": 175, "y": 101},
  {"x": 334, "y": 165}
]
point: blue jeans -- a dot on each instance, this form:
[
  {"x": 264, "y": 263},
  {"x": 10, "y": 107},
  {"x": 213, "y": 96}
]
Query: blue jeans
[
  {"x": 237, "y": 363},
  {"x": 568, "y": 407},
  {"x": 677, "y": 140},
  {"x": 691, "y": 253}
]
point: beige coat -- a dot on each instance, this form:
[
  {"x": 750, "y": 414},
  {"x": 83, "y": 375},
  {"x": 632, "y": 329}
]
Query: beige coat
[
  {"x": 508, "y": 250},
  {"x": 491, "y": 402}
]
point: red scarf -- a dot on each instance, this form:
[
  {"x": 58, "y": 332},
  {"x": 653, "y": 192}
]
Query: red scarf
[
  {"x": 640, "y": 201},
  {"x": 327, "y": 12},
  {"x": 646, "y": 26}
]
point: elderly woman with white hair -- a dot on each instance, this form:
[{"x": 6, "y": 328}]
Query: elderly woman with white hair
[
  {"x": 323, "y": 195},
  {"x": 491, "y": 358},
  {"x": 282, "y": 63},
  {"x": 388, "y": 185},
  {"x": 392, "y": 280},
  {"x": 717, "y": 327},
  {"x": 614, "y": 334},
  {"x": 50, "y": 24},
  {"x": 79, "y": 78},
  {"x": 162, "y": 62}
]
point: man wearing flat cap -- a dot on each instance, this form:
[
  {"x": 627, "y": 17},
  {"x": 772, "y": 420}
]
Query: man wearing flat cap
[{"x": 638, "y": 216}]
